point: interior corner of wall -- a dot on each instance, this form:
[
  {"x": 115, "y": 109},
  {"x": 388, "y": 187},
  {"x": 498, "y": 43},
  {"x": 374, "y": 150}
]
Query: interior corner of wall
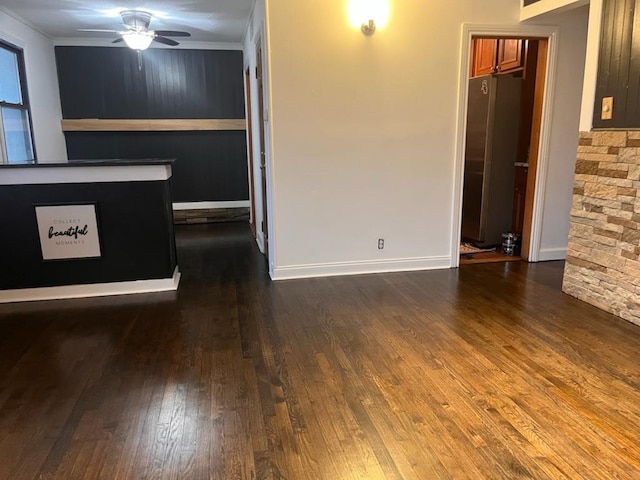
[{"x": 591, "y": 66}]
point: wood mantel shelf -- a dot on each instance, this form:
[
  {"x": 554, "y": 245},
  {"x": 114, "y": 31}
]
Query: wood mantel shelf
[{"x": 151, "y": 125}]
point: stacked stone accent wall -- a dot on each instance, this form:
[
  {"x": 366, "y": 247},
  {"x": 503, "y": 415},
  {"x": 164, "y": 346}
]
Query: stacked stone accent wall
[{"x": 603, "y": 266}]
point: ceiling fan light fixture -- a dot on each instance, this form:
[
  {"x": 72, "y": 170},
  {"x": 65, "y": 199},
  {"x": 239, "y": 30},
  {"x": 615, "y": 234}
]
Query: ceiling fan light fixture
[{"x": 138, "y": 40}]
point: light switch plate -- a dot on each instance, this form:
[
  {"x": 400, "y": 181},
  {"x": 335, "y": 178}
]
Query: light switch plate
[{"x": 607, "y": 108}]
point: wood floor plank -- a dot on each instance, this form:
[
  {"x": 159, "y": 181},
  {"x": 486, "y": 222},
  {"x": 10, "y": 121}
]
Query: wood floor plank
[{"x": 484, "y": 372}]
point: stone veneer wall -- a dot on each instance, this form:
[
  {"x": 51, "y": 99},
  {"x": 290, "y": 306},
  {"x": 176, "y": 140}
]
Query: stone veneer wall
[{"x": 603, "y": 266}]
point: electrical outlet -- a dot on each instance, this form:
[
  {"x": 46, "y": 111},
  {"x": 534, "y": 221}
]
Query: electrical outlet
[{"x": 380, "y": 243}]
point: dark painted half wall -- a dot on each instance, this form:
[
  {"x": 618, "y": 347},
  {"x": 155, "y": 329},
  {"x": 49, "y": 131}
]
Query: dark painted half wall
[
  {"x": 135, "y": 228},
  {"x": 111, "y": 83}
]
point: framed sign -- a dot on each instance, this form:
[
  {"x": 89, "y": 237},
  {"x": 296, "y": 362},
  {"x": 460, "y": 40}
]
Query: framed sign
[{"x": 68, "y": 231}]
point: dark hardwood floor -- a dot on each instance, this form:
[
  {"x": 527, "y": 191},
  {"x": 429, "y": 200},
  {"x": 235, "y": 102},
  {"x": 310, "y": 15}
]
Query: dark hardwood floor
[{"x": 484, "y": 372}]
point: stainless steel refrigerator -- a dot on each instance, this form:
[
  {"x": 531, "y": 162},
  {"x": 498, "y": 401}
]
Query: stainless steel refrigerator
[{"x": 493, "y": 118}]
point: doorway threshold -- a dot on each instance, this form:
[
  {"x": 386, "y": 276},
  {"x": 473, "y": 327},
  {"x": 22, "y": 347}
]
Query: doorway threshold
[{"x": 487, "y": 257}]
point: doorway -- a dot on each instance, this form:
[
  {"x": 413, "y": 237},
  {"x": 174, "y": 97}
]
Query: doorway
[{"x": 499, "y": 180}]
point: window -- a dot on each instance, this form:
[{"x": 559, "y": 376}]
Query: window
[{"x": 16, "y": 141}]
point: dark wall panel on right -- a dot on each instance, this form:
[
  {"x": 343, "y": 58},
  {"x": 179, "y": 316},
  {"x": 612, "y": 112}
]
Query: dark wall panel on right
[
  {"x": 206, "y": 169},
  {"x": 619, "y": 65},
  {"x": 161, "y": 83},
  {"x": 99, "y": 82}
]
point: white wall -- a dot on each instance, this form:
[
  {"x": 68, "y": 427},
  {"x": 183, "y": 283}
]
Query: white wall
[
  {"x": 42, "y": 85},
  {"x": 591, "y": 65},
  {"x": 564, "y": 130},
  {"x": 363, "y": 132}
]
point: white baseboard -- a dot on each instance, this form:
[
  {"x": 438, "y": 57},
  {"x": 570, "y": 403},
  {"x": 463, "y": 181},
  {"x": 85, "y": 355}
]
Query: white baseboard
[
  {"x": 91, "y": 290},
  {"x": 356, "y": 268},
  {"x": 548, "y": 254},
  {"x": 207, "y": 205}
]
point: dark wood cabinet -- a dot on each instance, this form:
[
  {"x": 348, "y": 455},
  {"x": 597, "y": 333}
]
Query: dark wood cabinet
[
  {"x": 485, "y": 51},
  {"x": 497, "y": 55},
  {"x": 510, "y": 56}
]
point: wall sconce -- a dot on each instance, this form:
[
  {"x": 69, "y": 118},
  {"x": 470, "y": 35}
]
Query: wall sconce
[
  {"x": 367, "y": 15},
  {"x": 369, "y": 27}
]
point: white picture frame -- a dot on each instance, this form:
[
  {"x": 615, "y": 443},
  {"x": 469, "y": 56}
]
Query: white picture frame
[{"x": 68, "y": 231}]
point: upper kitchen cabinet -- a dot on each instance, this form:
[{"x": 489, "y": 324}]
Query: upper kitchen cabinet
[
  {"x": 485, "y": 54},
  {"x": 497, "y": 55},
  {"x": 510, "y": 55}
]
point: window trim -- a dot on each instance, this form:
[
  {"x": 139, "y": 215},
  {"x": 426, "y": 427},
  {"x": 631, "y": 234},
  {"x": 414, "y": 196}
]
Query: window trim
[{"x": 25, "y": 105}]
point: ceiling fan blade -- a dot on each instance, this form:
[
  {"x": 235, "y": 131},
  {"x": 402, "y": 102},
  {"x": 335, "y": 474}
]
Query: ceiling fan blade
[
  {"x": 166, "y": 41},
  {"x": 118, "y": 40},
  {"x": 172, "y": 33},
  {"x": 98, "y": 30}
]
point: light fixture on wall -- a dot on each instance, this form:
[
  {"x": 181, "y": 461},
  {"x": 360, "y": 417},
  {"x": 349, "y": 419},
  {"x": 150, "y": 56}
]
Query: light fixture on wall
[
  {"x": 368, "y": 14},
  {"x": 138, "y": 40},
  {"x": 369, "y": 27}
]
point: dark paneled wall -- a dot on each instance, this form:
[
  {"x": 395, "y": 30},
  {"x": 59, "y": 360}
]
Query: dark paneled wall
[
  {"x": 211, "y": 166},
  {"x": 108, "y": 83},
  {"x": 619, "y": 65},
  {"x": 98, "y": 82}
]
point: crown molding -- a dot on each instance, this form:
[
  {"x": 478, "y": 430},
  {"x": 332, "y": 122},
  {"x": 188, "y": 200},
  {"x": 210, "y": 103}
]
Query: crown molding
[{"x": 24, "y": 21}]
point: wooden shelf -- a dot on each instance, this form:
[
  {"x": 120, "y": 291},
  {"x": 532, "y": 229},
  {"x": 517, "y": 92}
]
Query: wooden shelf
[{"x": 155, "y": 125}]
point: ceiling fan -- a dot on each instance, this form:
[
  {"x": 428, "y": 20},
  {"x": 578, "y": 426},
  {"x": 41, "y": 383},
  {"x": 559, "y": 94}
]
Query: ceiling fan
[{"x": 137, "y": 35}]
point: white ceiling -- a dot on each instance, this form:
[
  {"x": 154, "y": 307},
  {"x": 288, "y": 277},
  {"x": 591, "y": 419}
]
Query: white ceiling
[{"x": 218, "y": 21}]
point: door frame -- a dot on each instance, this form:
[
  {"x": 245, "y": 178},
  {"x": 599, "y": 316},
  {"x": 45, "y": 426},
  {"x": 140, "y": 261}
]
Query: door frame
[
  {"x": 263, "y": 161},
  {"x": 468, "y": 32},
  {"x": 249, "y": 110}
]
